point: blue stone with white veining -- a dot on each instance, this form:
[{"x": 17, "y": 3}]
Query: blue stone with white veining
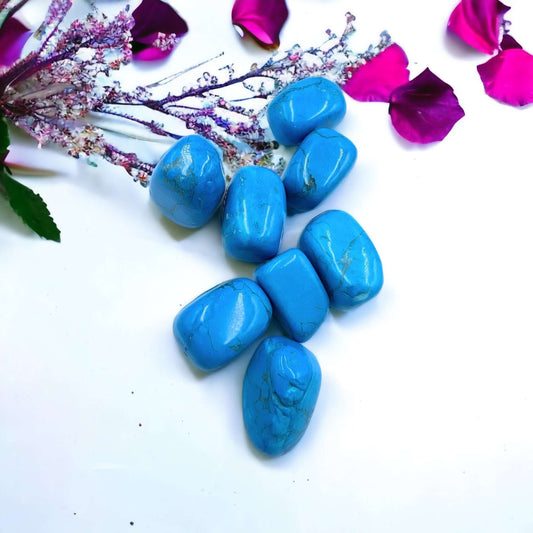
[
  {"x": 221, "y": 323},
  {"x": 188, "y": 182},
  {"x": 279, "y": 394},
  {"x": 319, "y": 164},
  {"x": 344, "y": 257},
  {"x": 299, "y": 300},
  {"x": 304, "y": 106},
  {"x": 254, "y": 214}
]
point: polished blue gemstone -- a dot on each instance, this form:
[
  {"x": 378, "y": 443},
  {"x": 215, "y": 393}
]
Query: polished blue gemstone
[
  {"x": 304, "y": 106},
  {"x": 344, "y": 257},
  {"x": 298, "y": 297},
  {"x": 316, "y": 168},
  {"x": 221, "y": 323},
  {"x": 188, "y": 182},
  {"x": 279, "y": 394},
  {"x": 254, "y": 214}
]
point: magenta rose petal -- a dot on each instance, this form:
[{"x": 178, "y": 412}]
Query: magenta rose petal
[
  {"x": 478, "y": 23},
  {"x": 156, "y": 31},
  {"x": 262, "y": 19},
  {"x": 13, "y": 37},
  {"x": 508, "y": 42},
  {"x": 508, "y": 77},
  {"x": 376, "y": 79},
  {"x": 425, "y": 109}
]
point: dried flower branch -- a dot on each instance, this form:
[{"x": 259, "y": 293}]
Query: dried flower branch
[
  {"x": 54, "y": 92},
  {"x": 58, "y": 92}
]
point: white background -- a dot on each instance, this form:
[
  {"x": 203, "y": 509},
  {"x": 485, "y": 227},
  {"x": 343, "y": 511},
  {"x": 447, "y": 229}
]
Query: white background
[{"x": 423, "y": 423}]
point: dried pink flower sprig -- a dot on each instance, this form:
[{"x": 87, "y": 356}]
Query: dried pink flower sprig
[
  {"x": 50, "y": 92},
  {"x": 54, "y": 92},
  {"x": 238, "y": 125},
  {"x": 58, "y": 92}
]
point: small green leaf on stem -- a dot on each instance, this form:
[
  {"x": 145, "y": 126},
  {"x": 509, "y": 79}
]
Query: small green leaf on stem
[
  {"x": 4, "y": 138},
  {"x": 29, "y": 206}
]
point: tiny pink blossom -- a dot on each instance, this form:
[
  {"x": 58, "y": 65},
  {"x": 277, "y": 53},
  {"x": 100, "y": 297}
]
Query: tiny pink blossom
[
  {"x": 374, "y": 80},
  {"x": 425, "y": 109},
  {"x": 478, "y": 23},
  {"x": 508, "y": 76},
  {"x": 262, "y": 19}
]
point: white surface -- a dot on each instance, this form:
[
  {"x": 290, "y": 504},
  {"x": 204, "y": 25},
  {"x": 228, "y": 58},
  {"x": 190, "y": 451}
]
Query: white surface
[{"x": 424, "y": 419}]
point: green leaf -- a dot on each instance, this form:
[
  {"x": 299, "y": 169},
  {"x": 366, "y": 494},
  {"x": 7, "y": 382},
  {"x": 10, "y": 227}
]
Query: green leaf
[
  {"x": 4, "y": 138},
  {"x": 30, "y": 207}
]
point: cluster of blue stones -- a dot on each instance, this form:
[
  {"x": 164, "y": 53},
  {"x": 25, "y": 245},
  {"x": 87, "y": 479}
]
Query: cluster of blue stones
[{"x": 335, "y": 264}]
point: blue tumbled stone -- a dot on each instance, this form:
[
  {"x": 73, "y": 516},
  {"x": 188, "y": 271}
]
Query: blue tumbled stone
[
  {"x": 316, "y": 168},
  {"x": 188, "y": 182},
  {"x": 304, "y": 106},
  {"x": 344, "y": 257},
  {"x": 254, "y": 214},
  {"x": 279, "y": 394},
  {"x": 221, "y": 323},
  {"x": 298, "y": 297}
]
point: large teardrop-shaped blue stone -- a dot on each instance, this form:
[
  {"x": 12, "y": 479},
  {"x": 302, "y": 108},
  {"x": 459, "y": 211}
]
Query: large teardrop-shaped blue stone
[{"x": 279, "y": 394}]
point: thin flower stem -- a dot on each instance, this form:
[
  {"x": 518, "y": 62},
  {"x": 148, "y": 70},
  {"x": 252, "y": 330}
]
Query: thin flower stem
[
  {"x": 27, "y": 69},
  {"x": 172, "y": 77},
  {"x": 16, "y": 7},
  {"x": 150, "y": 125},
  {"x": 201, "y": 90}
]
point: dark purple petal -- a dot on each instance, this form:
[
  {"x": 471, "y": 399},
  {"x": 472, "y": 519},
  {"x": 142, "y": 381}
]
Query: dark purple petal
[
  {"x": 262, "y": 19},
  {"x": 13, "y": 37},
  {"x": 156, "y": 30},
  {"x": 478, "y": 23},
  {"x": 376, "y": 79},
  {"x": 509, "y": 42},
  {"x": 508, "y": 77},
  {"x": 425, "y": 109}
]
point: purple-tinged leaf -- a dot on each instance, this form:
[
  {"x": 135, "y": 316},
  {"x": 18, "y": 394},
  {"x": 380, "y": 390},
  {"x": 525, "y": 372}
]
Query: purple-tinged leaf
[
  {"x": 478, "y": 23},
  {"x": 156, "y": 31},
  {"x": 377, "y": 78},
  {"x": 425, "y": 109},
  {"x": 262, "y": 19},
  {"x": 508, "y": 77},
  {"x": 13, "y": 37},
  {"x": 509, "y": 42}
]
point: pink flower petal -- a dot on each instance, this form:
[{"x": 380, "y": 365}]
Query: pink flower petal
[
  {"x": 13, "y": 37},
  {"x": 425, "y": 109},
  {"x": 262, "y": 19},
  {"x": 478, "y": 23},
  {"x": 376, "y": 79},
  {"x": 156, "y": 30},
  {"x": 508, "y": 77}
]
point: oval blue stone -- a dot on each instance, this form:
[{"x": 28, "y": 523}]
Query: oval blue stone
[
  {"x": 316, "y": 168},
  {"x": 304, "y": 106},
  {"x": 254, "y": 214},
  {"x": 279, "y": 394},
  {"x": 221, "y": 323},
  {"x": 298, "y": 297},
  {"x": 344, "y": 257},
  {"x": 188, "y": 182}
]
